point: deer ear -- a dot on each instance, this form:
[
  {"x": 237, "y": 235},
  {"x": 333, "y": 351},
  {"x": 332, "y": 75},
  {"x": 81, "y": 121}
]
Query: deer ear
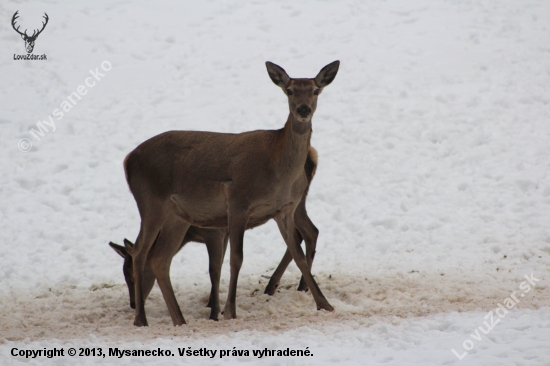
[
  {"x": 119, "y": 249},
  {"x": 129, "y": 246},
  {"x": 327, "y": 74},
  {"x": 277, "y": 74},
  {"x": 23, "y": 37}
]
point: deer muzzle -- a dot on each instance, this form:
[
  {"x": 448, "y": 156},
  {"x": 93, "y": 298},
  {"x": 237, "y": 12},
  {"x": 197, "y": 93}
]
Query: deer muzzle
[{"x": 303, "y": 111}]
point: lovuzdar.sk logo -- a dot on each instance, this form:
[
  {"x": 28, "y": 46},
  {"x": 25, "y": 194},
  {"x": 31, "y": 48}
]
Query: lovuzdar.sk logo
[{"x": 29, "y": 40}]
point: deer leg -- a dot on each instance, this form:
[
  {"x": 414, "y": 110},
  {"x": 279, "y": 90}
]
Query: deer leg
[
  {"x": 310, "y": 233},
  {"x": 215, "y": 246},
  {"x": 168, "y": 244},
  {"x": 148, "y": 280},
  {"x": 147, "y": 234},
  {"x": 225, "y": 241},
  {"x": 276, "y": 276},
  {"x": 237, "y": 226},
  {"x": 285, "y": 221},
  {"x": 211, "y": 262},
  {"x": 148, "y": 283}
]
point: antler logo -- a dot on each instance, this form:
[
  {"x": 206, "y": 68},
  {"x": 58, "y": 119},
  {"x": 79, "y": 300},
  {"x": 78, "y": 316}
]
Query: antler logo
[{"x": 29, "y": 40}]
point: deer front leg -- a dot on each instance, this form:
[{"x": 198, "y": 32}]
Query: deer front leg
[
  {"x": 168, "y": 244},
  {"x": 285, "y": 222},
  {"x": 237, "y": 225},
  {"x": 215, "y": 244}
]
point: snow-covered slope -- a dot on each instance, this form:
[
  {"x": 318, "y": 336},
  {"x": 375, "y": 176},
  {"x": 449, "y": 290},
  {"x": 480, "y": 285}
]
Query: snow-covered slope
[{"x": 432, "y": 193}]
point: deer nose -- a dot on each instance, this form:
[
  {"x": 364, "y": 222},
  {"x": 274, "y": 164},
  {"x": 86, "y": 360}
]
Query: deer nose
[{"x": 303, "y": 110}]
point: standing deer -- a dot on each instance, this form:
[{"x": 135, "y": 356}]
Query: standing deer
[
  {"x": 29, "y": 40},
  {"x": 216, "y": 244},
  {"x": 222, "y": 180}
]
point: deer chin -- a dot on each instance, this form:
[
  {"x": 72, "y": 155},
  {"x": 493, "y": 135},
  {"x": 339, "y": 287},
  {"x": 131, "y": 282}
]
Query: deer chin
[{"x": 300, "y": 119}]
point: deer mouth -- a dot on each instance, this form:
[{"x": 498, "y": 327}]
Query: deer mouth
[{"x": 301, "y": 118}]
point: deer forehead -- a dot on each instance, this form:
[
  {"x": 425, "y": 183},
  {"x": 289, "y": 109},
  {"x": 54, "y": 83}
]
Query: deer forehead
[{"x": 302, "y": 86}]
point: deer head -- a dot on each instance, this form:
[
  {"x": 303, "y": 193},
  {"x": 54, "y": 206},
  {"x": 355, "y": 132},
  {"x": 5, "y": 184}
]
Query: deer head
[
  {"x": 302, "y": 93},
  {"x": 29, "y": 40},
  {"x": 128, "y": 268}
]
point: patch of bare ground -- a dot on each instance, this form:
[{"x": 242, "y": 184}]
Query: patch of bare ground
[{"x": 71, "y": 313}]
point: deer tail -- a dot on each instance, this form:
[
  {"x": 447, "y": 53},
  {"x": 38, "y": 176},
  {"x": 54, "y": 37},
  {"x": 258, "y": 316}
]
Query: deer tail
[
  {"x": 125, "y": 164},
  {"x": 311, "y": 163}
]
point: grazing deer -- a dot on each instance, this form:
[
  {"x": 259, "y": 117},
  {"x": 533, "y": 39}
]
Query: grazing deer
[
  {"x": 223, "y": 180},
  {"x": 29, "y": 40},
  {"x": 216, "y": 244}
]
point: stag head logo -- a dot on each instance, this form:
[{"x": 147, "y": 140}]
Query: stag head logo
[{"x": 29, "y": 40}]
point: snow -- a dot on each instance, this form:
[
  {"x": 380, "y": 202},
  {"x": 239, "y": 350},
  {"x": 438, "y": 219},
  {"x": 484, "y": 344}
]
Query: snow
[{"x": 432, "y": 194}]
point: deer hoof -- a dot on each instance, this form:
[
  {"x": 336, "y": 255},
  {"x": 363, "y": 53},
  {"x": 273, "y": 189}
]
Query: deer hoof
[
  {"x": 270, "y": 288},
  {"x": 140, "y": 322},
  {"x": 229, "y": 313},
  {"x": 303, "y": 286},
  {"x": 326, "y": 306},
  {"x": 179, "y": 322}
]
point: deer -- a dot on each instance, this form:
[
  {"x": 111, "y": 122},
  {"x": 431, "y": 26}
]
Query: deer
[
  {"x": 216, "y": 244},
  {"x": 29, "y": 40},
  {"x": 223, "y": 180}
]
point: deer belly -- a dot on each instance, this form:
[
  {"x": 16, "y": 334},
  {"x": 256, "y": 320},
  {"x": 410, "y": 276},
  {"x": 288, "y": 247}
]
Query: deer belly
[
  {"x": 209, "y": 212},
  {"x": 259, "y": 214}
]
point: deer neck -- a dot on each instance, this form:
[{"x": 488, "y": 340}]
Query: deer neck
[{"x": 294, "y": 145}]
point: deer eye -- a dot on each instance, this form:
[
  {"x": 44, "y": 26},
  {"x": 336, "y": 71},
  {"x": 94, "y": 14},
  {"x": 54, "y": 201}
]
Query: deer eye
[
  {"x": 316, "y": 92},
  {"x": 289, "y": 92}
]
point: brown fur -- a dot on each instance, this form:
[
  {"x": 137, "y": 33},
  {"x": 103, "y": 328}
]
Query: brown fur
[
  {"x": 125, "y": 164},
  {"x": 220, "y": 180},
  {"x": 216, "y": 244},
  {"x": 312, "y": 158}
]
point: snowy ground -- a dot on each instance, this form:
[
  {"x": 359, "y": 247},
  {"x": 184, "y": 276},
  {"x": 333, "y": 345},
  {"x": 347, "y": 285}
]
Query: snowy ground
[{"x": 432, "y": 193}]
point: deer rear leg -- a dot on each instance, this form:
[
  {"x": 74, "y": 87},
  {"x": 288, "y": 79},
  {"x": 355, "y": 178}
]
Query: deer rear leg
[
  {"x": 148, "y": 283},
  {"x": 310, "y": 233},
  {"x": 147, "y": 235},
  {"x": 285, "y": 222},
  {"x": 279, "y": 271},
  {"x": 148, "y": 277},
  {"x": 215, "y": 244},
  {"x": 168, "y": 244},
  {"x": 237, "y": 225}
]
